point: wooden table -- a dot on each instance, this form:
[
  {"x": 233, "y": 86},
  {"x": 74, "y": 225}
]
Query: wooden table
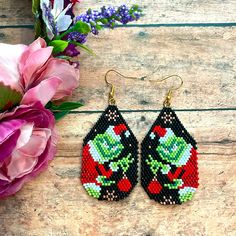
[{"x": 194, "y": 39}]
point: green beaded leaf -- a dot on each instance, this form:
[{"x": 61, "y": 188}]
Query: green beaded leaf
[{"x": 8, "y": 97}]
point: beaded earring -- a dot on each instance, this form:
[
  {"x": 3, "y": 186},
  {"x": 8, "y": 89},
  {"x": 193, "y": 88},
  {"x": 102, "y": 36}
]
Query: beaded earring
[
  {"x": 169, "y": 169},
  {"x": 110, "y": 155}
]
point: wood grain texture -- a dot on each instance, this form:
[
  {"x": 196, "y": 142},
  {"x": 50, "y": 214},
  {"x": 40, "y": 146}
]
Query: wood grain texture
[
  {"x": 204, "y": 57},
  {"x": 156, "y": 11},
  {"x": 16, "y": 36},
  {"x": 55, "y": 203},
  {"x": 180, "y": 11},
  {"x": 15, "y": 12}
]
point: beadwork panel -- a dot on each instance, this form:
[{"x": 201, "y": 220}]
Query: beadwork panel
[
  {"x": 56, "y": 204},
  {"x": 169, "y": 161},
  {"x": 109, "y": 162}
]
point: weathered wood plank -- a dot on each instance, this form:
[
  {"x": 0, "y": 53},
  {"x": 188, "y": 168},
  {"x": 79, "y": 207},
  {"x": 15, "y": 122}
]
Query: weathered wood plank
[
  {"x": 156, "y": 11},
  {"x": 15, "y": 12},
  {"x": 213, "y": 136},
  {"x": 59, "y": 206},
  {"x": 168, "y": 11},
  {"x": 204, "y": 57},
  {"x": 56, "y": 204},
  {"x": 16, "y": 36}
]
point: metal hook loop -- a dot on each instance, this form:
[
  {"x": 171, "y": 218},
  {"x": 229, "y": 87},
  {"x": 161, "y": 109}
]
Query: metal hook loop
[
  {"x": 111, "y": 97},
  {"x": 168, "y": 98}
]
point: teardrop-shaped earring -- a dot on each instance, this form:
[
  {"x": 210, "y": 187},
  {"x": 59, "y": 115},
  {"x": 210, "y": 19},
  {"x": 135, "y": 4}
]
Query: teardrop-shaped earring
[
  {"x": 169, "y": 170},
  {"x": 110, "y": 155}
]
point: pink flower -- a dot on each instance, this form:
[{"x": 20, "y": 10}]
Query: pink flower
[
  {"x": 33, "y": 71},
  {"x": 27, "y": 144}
]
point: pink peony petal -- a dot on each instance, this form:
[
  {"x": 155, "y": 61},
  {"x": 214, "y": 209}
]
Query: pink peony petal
[
  {"x": 66, "y": 72},
  {"x": 50, "y": 152},
  {"x": 37, "y": 142},
  {"x": 25, "y": 159},
  {"x": 32, "y": 64},
  {"x": 36, "y": 45},
  {"x": 7, "y": 128},
  {"x": 20, "y": 165},
  {"x": 9, "y": 134},
  {"x": 43, "y": 92},
  {"x": 9, "y": 59},
  {"x": 8, "y": 146},
  {"x": 31, "y": 158},
  {"x": 25, "y": 135},
  {"x": 3, "y": 177},
  {"x": 32, "y": 113},
  {"x": 15, "y": 186}
]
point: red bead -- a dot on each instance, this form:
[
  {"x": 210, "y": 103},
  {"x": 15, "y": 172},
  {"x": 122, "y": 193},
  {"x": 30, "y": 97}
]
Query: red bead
[
  {"x": 154, "y": 187},
  {"x": 160, "y": 131},
  {"x": 124, "y": 185}
]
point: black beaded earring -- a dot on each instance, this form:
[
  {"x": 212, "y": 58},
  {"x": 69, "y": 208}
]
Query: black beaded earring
[
  {"x": 110, "y": 155},
  {"x": 169, "y": 171}
]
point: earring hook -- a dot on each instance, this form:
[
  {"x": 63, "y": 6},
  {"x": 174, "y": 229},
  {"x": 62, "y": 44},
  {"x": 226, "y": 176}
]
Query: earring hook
[
  {"x": 111, "y": 97},
  {"x": 118, "y": 73},
  {"x": 167, "y": 101},
  {"x": 168, "y": 98}
]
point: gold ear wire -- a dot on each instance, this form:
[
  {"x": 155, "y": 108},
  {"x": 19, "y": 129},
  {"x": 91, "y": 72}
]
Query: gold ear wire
[
  {"x": 111, "y": 96},
  {"x": 168, "y": 98},
  {"x": 111, "y": 99}
]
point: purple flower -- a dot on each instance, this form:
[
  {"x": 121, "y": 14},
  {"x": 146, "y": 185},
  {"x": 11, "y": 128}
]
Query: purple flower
[
  {"x": 27, "y": 144},
  {"x": 77, "y": 37},
  {"x": 96, "y": 20},
  {"x": 54, "y": 16},
  {"x": 71, "y": 51},
  {"x": 48, "y": 18},
  {"x": 109, "y": 16}
]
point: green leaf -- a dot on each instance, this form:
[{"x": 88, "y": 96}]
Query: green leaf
[
  {"x": 104, "y": 21},
  {"x": 82, "y": 27},
  {"x": 113, "y": 24},
  {"x": 83, "y": 47},
  {"x": 38, "y": 26},
  {"x": 66, "y": 106},
  {"x": 99, "y": 27},
  {"x": 48, "y": 105},
  {"x": 64, "y": 57},
  {"x": 60, "y": 115},
  {"x": 59, "y": 111},
  {"x": 35, "y": 6},
  {"x": 58, "y": 45},
  {"x": 8, "y": 97}
]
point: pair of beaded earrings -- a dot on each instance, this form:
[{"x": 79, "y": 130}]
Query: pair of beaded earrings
[{"x": 169, "y": 171}]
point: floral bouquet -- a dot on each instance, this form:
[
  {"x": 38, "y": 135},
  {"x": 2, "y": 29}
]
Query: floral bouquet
[{"x": 35, "y": 79}]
